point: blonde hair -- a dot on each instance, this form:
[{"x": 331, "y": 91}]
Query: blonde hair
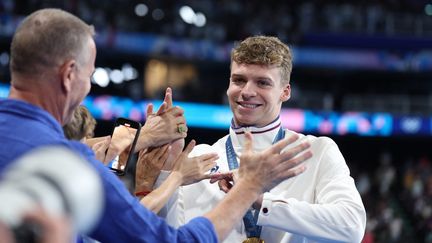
[
  {"x": 264, "y": 50},
  {"x": 81, "y": 126}
]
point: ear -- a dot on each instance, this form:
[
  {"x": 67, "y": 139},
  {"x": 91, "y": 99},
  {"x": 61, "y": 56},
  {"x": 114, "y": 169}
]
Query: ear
[
  {"x": 286, "y": 93},
  {"x": 67, "y": 74},
  {"x": 226, "y": 92}
]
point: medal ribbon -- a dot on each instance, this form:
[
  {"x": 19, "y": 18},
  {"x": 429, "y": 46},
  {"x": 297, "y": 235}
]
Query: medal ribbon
[{"x": 249, "y": 220}]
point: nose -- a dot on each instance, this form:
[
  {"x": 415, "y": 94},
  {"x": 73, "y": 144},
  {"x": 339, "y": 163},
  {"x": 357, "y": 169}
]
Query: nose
[{"x": 248, "y": 90}]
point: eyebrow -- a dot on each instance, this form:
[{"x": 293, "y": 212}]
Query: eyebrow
[
  {"x": 254, "y": 78},
  {"x": 237, "y": 75}
]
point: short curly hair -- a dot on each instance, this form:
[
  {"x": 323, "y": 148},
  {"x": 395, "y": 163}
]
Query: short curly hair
[{"x": 264, "y": 50}]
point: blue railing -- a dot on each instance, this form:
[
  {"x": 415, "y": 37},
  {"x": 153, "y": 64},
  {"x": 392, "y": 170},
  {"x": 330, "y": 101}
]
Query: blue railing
[{"x": 307, "y": 121}]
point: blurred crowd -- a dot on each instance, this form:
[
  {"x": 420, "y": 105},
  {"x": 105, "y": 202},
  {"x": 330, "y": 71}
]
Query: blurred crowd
[
  {"x": 228, "y": 20},
  {"x": 398, "y": 199},
  {"x": 397, "y": 196},
  {"x": 295, "y": 22}
]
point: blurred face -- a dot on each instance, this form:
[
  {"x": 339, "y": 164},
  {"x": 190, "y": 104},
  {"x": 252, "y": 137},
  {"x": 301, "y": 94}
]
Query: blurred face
[
  {"x": 80, "y": 86},
  {"x": 255, "y": 94}
]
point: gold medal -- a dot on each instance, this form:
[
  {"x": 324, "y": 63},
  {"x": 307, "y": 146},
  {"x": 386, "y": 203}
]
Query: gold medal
[{"x": 253, "y": 240}]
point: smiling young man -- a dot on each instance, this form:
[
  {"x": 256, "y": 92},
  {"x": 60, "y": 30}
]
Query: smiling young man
[
  {"x": 256, "y": 93},
  {"x": 320, "y": 204}
]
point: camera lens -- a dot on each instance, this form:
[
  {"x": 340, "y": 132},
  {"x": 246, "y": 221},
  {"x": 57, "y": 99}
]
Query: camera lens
[{"x": 56, "y": 179}]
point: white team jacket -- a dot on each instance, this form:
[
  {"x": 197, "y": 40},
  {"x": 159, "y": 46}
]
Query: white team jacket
[{"x": 320, "y": 205}]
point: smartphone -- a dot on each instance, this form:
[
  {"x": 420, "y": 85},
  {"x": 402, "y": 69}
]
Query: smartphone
[{"x": 124, "y": 136}]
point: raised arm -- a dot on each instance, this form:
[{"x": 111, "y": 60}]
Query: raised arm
[{"x": 166, "y": 125}]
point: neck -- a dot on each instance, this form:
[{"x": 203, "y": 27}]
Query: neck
[
  {"x": 39, "y": 95},
  {"x": 252, "y": 127}
]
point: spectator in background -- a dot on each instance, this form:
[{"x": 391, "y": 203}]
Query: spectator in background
[
  {"x": 81, "y": 128},
  {"x": 52, "y": 59},
  {"x": 82, "y": 125}
]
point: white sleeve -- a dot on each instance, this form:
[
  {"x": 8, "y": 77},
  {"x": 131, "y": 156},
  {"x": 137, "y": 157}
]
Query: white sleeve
[
  {"x": 174, "y": 209},
  {"x": 337, "y": 214}
]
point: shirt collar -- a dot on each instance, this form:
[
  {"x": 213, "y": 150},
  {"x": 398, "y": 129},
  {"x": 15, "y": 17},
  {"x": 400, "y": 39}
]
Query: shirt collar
[
  {"x": 263, "y": 137},
  {"x": 274, "y": 125},
  {"x": 32, "y": 112}
]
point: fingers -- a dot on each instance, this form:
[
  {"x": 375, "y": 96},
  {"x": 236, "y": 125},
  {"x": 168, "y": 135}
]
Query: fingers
[
  {"x": 156, "y": 154},
  {"x": 176, "y": 148},
  {"x": 100, "y": 149},
  {"x": 205, "y": 176},
  {"x": 294, "y": 166},
  {"x": 225, "y": 185},
  {"x": 96, "y": 146},
  {"x": 149, "y": 110},
  {"x": 221, "y": 176},
  {"x": 177, "y": 115},
  {"x": 102, "y": 145},
  {"x": 162, "y": 109},
  {"x": 208, "y": 165},
  {"x": 292, "y": 172},
  {"x": 179, "y": 120},
  {"x": 182, "y": 130},
  {"x": 291, "y": 153},
  {"x": 175, "y": 111},
  {"x": 168, "y": 97},
  {"x": 142, "y": 153},
  {"x": 162, "y": 152},
  {"x": 181, "y": 127},
  {"x": 208, "y": 161},
  {"x": 248, "y": 142},
  {"x": 209, "y": 156},
  {"x": 146, "y": 155},
  {"x": 279, "y": 146},
  {"x": 189, "y": 147},
  {"x": 164, "y": 156}
]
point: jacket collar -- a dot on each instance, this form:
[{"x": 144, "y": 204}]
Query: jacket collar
[{"x": 263, "y": 137}]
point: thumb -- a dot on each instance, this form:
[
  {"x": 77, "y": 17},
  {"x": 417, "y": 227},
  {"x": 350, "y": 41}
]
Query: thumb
[
  {"x": 248, "y": 142},
  {"x": 189, "y": 147},
  {"x": 149, "y": 110}
]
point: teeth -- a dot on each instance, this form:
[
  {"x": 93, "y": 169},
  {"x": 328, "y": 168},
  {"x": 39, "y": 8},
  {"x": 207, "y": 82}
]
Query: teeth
[{"x": 249, "y": 106}]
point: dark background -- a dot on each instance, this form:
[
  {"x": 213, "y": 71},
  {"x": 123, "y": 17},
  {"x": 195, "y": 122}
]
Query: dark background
[{"x": 393, "y": 173}]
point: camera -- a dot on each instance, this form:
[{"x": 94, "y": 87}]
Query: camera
[{"x": 56, "y": 179}]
